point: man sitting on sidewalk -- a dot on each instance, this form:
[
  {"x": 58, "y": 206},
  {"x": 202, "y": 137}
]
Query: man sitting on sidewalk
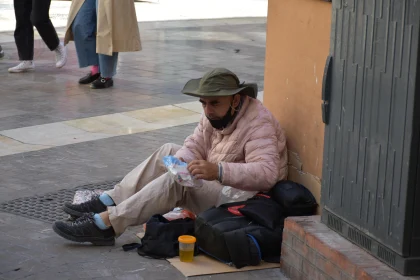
[{"x": 237, "y": 143}]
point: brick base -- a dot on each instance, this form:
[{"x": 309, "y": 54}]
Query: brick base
[{"x": 310, "y": 250}]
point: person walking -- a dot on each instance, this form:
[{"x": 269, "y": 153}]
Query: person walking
[
  {"x": 100, "y": 30},
  {"x": 30, "y": 13}
]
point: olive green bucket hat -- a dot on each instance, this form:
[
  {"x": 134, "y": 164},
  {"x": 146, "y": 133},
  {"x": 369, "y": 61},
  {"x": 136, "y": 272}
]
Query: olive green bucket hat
[{"x": 219, "y": 82}]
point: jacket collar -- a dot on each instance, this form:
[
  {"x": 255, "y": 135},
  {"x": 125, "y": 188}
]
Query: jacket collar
[{"x": 230, "y": 128}]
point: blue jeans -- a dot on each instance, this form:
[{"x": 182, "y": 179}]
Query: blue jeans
[{"x": 84, "y": 32}]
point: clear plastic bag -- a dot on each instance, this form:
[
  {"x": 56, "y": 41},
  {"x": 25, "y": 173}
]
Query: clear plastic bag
[
  {"x": 229, "y": 194},
  {"x": 175, "y": 214},
  {"x": 82, "y": 196},
  {"x": 180, "y": 173},
  {"x": 179, "y": 213}
]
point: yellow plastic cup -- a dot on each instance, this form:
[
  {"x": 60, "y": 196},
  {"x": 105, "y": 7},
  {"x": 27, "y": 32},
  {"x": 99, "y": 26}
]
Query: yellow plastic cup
[{"x": 186, "y": 248}]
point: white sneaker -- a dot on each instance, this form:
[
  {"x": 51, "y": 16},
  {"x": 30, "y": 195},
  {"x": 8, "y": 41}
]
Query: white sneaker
[
  {"x": 60, "y": 55},
  {"x": 23, "y": 66}
]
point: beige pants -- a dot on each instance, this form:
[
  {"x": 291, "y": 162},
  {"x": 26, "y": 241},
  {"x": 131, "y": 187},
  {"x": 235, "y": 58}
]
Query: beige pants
[{"x": 149, "y": 189}]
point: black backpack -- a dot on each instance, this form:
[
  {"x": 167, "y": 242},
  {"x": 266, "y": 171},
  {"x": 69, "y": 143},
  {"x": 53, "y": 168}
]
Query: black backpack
[
  {"x": 160, "y": 240},
  {"x": 245, "y": 233},
  {"x": 295, "y": 199}
]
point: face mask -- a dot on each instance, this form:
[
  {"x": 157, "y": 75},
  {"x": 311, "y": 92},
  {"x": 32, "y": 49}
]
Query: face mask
[{"x": 223, "y": 122}]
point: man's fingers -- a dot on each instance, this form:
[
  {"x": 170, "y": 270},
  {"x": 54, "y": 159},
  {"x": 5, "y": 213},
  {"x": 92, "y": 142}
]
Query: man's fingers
[
  {"x": 191, "y": 167},
  {"x": 200, "y": 176},
  {"x": 196, "y": 171},
  {"x": 192, "y": 163}
]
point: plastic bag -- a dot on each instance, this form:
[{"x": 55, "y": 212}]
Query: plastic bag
[
  {"x": 177, "y": 213},
  {"x": 229, "y": 194},
  {"x": 82, "y": 196},
  {"x": 179, "y": 171}
]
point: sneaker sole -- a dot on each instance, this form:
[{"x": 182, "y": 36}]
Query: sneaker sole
[
  {"x": 94, "y": 240},
  {"x": 21, "y": 71},
  {"x": 94, "y": 87},
  {"x": 72, "y": 212}
]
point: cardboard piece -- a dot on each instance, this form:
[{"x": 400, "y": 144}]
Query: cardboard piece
[{"x": 204, "y": 265}]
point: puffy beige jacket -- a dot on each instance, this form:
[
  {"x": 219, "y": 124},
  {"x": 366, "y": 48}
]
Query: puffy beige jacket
[{"x": 252, "y": 150}]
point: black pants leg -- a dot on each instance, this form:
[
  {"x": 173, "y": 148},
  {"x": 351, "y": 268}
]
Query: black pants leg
[
  {"x": 40, "y": 18},
  {"x": 31, "y": 13},
  {"x": 24, "y": 31}
]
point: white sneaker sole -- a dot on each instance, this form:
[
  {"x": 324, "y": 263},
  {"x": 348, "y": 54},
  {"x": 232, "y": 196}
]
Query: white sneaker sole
[{"x": 21, "y": 70}]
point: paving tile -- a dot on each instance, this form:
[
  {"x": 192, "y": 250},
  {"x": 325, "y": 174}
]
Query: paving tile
[
  {"x": 194, "y": 106},
  {"x": 55, "y": 134},
  {"x": 161, "y": 114},
  {"x": 114, "y": 124}
]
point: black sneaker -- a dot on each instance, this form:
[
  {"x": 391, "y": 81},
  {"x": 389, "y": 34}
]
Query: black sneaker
[
  {"x": 102, "y": 82},
  {"x": 89, "y": 78},
  {"x": 84, "y": 229},
  {"x": 94, "y": 205}
]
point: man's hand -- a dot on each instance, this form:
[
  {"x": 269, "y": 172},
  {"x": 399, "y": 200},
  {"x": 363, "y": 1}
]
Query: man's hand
[{"x": 205, "y": 170}]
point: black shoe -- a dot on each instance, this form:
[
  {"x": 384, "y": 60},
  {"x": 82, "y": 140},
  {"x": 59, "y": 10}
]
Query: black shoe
[
  {"x": 102, "y": 83},
  {"x": 84, "y": 229},
  {"x": 1, "y": 52},
  {"x": 94, "y": 205},
  {"x": 89, "y": 78}
]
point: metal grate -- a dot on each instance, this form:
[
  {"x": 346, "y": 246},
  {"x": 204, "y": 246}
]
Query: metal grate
[
  {"x": 47, "y": 207},
  {"x": 360, "y": 239},
  {"x": 386, "y": 255},
  {"x": 335, "y": 223}
]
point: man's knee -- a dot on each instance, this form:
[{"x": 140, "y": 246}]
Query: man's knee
[{"x": 169, "y": 148}]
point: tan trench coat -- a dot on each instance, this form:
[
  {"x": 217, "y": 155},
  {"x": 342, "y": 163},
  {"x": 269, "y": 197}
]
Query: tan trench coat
[{"x": 117, "y": 28}]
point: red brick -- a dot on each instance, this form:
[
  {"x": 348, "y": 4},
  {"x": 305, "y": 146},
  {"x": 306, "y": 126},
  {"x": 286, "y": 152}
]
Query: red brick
[
  {"x": 289, "y": 256},
  {"x": 345, "y": 264},
  {"x": 310, "y": 255},
  {"x": 310, "y": 271},
  {"x": 345, "y": 276},
  {"x": 327, "y": 243},
  {"x": 299, "y": 246},
  {"x": 329, "y": 268},
  {"x": 323, "y": 276},
  {"x": 291, "y": 225},
  {"x": 333, "y": 251},
  {"x": 362, "y": 259},
  {"x": 361, "y": 274},
  {"x": 287, "y": 238},
  {"x": 291, "y": 272},
  {"x": 320, "y": 247}
]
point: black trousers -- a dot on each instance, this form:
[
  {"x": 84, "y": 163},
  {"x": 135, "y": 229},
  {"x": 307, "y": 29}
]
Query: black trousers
[{"x": 30, "y": 13}]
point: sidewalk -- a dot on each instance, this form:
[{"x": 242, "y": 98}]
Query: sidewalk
[
  {"x": 155, "y": 10},
  {"x": 56, "y": 135}
]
